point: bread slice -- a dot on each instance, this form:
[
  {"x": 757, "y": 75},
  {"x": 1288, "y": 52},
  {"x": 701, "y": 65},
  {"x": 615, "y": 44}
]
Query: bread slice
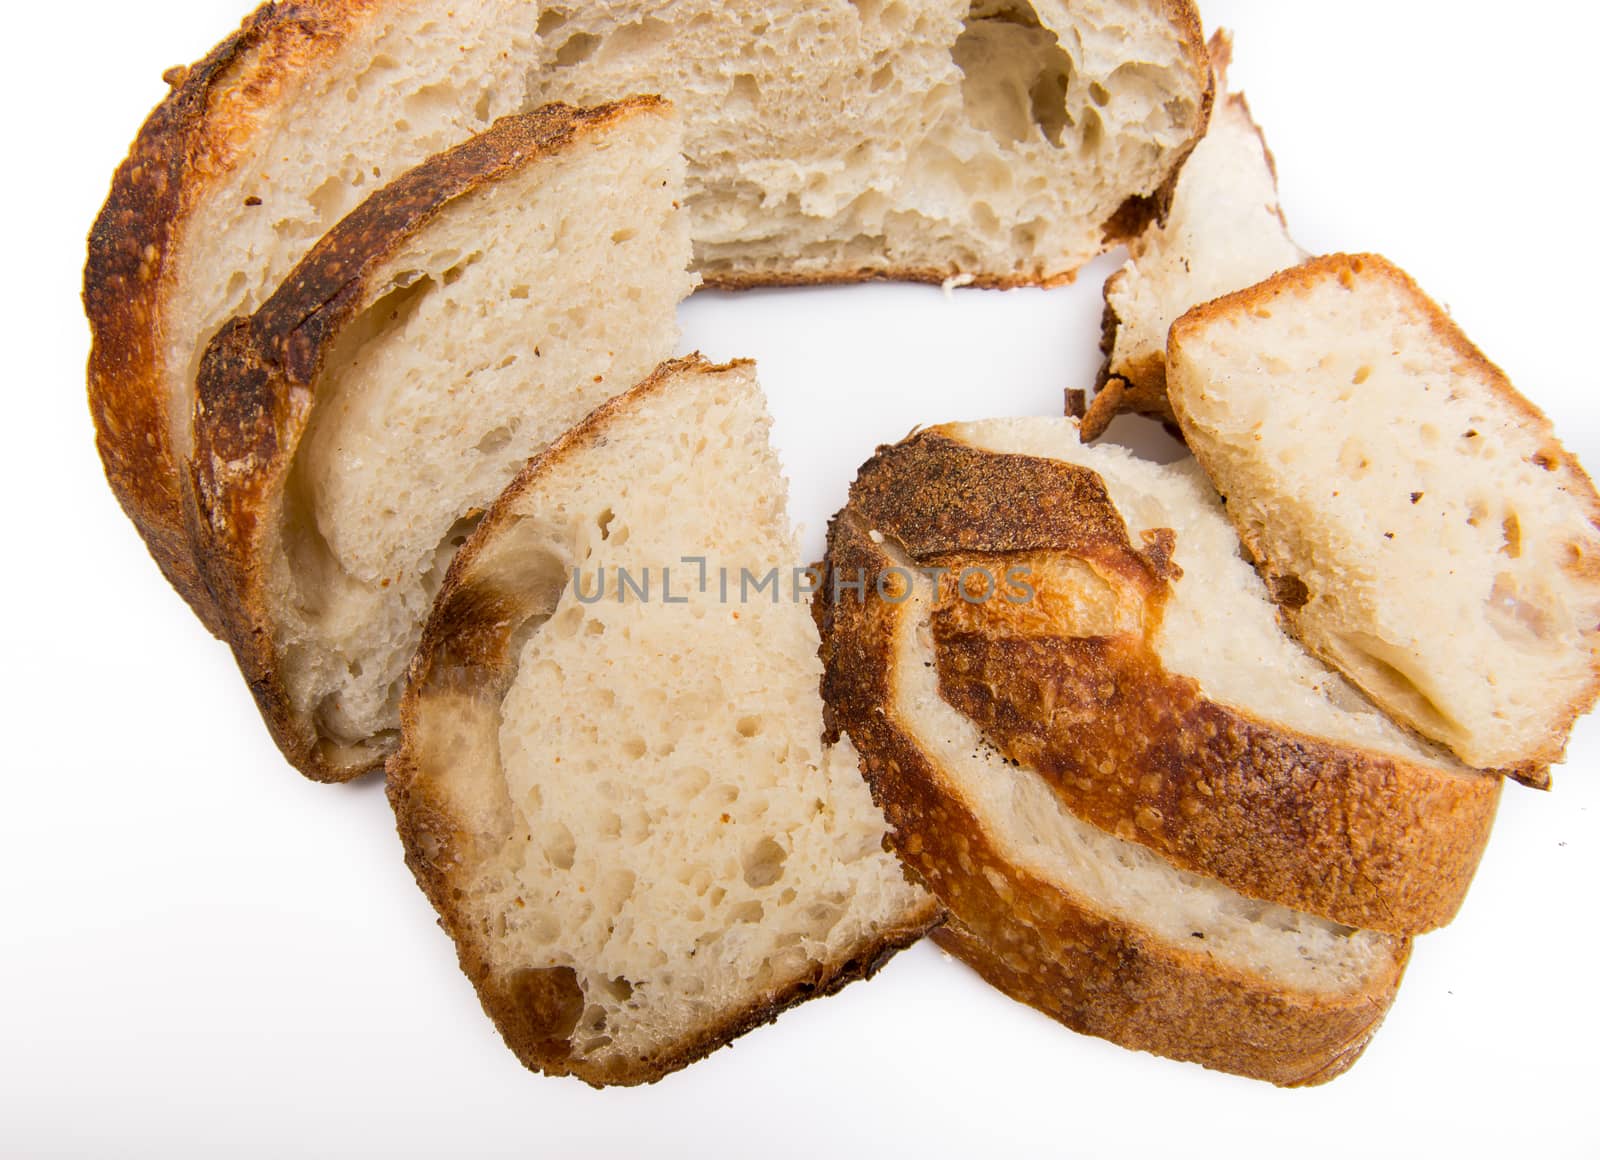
[
  {"x": 349, "y": 433},
  {"x": 1225, "y": 231},
  {"x": 1098, "y": 930},
  {"x": 837, "y": 140},
  {"x": 1423, "y": 529},
  {"x": 1130, "y": 661},
  {"x": 615, "y": 790}
]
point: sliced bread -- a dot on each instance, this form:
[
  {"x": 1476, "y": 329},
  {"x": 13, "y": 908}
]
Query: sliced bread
[
  {"x": 1100, "y": 931},
  {"x": 1126, "y": 657},
  {"x": 830, "y": 140},
  {"x": 349, "y": 433},
  {"x": 614, "y": 790},
  {"x": 1225, "y": 231},
  {"x": 1419, "y": 523}
]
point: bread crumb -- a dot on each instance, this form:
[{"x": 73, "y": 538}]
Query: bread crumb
[{"x": 950, "y": 285}]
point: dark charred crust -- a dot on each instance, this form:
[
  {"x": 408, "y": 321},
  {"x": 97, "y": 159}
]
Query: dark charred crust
[
  {"x": 1036, "y": 940},
  {"x": 1364, "y": 839},
  {"x": 938, "y": 496},
  {"x": 1535, "y": 771},
  {"x": 465, "y": 650},
  {"x": 256, "y": 391}
]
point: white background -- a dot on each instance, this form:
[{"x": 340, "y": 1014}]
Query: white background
[{"x": 203, "y": 955}]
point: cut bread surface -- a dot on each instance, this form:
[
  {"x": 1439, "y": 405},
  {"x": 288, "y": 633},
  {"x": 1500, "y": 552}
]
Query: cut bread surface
[
  {"x": 834, "y": 141},
  {"x": 622, "y": 806},
  {"x": 480, "y": 307},
  {"x": 1225, "y": 231},
  {"x": 1423, "y": 528},
  {"x": 1098, "y": 931}
]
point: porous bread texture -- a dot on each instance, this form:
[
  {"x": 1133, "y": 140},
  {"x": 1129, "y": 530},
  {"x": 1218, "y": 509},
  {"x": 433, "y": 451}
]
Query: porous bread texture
[
  {"x": 1423, "y": 528},
  {"x": 482, "y": 337},
  {"x": 831, "y": 141},
  {"x": 929, "y": 137},
  {"x": 1225, "y": 231},
  {"x": 648, "y": 824},
  {"x": 1027, "y": 823},
  {"x": 1220, "y": 626}
]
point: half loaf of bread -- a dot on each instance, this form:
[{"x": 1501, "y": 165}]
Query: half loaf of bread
[
  {"x": 1008, "y": 140},
  {"x": 613, "y": 785},
  {"x": 1225, "y": 231},
  {"x": 1419, "y": 523},
  {"x": 1079, "y": 753},
  {"x": 350, "y": 432}
]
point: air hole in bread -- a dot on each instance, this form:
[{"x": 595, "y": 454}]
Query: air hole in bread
[
  {"x": 577, "y": 50},
  {"x": 763, "y": 864},
  {"x": 1015, "y": 75},
  {"x": 559, "y": 846},
  {"x": 745, "y": 92}
]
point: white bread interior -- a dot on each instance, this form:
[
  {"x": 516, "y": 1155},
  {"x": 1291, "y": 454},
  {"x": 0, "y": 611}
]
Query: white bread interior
[
  {"x": 486, "y": 334},
  {"x": 659, "y": 815},
  {"x": 1444, "y": 546}
]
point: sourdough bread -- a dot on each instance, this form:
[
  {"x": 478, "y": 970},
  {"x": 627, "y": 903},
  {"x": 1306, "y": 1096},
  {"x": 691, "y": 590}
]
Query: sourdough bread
[
  {"x": 1420, "y": 524},
  {"x": 348, "y": 434},
  {"x": 839, "y": 140},
  {"x": 1099, "y": 931},
  {"x": 1129, "y": 659},
  {"x": 1225, "y": 231},
  {"x": 620, "y": 803}
]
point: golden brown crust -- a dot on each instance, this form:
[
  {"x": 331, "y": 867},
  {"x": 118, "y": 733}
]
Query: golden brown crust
[
  {"x": 1535, "y": 771},
  {"x": 257, "y": 389},
  {"x": 131, "y": 261},
  {"x": 1363, "y": 838},
  {"x": 1035, "y": 939},
  {"x": 467, "y": 650}
]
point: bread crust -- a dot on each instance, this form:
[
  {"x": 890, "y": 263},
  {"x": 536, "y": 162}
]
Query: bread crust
[
  {"x": 1362, "y": 838},
  {"x": 1035, "y": 939},
  {"x": 258, "y": 384},
  {"x": 1535, "y": 770},
  {"x": 127, "y": 279},
  {"x": 467, "y": 648},
  {"x": 193, "y": 136}
]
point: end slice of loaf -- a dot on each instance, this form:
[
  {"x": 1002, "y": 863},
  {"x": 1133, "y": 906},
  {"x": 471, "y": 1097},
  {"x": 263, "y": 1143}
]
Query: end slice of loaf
[
  {"x": 1142, "y": 676},
  {"x": 1099, "y": 931},
  {"x": 828, "y": 140},
  {"x": 1421, "y": 526},
  {"x": 1225, "y": 231},
  {"x": 350, "y": 432},
  {"x": 615, "y": 791}
]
